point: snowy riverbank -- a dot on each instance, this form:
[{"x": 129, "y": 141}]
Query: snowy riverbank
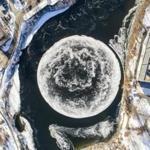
[{"x": 10, "y": 85}]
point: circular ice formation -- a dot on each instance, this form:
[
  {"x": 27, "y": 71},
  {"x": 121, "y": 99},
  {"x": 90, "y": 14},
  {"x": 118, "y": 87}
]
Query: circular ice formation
[{"x": 79, "y": 76}]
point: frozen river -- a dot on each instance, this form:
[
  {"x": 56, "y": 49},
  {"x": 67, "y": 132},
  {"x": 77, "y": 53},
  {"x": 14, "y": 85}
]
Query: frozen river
[{"x": 99, "y": 19}]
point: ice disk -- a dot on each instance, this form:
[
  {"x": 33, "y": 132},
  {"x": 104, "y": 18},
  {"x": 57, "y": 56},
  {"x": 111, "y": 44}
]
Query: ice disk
[{"x": 79, "y": 76}]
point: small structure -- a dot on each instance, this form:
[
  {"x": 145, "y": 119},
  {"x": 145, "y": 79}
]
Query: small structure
[
  {"x": 145, "y": 65},
  {"x": 143, "y": 72}
]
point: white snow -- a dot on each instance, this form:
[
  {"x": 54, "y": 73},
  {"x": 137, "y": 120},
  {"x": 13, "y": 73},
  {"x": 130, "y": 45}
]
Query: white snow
[
  {"x": 99, "y": 130},
  {"x": 42, "y": 20},
  {"x": 28, "y": 134},
  {"x": 18, "y": 5},
  {"x": 7, "y": 135},
  {"x": 137, "y": 141},
  {"x": 14, "y": 95},
  {"x": 146, "y": 20},
  {"x": 138, "y": 137},
  {"x": 11, "y": 85},
  {"x": 142, "y": 106},
  {"x": 11, "y": 25},
  {"x": 134, "y": 122},
  {"x": 53, "y": 2},
  {"x": 6, "y": 46}
]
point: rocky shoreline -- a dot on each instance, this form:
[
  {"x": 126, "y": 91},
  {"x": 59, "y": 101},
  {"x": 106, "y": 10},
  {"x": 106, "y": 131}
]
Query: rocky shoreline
[
  {"x": 133, "y": 131},
  {"x": 10, "y": 136}
]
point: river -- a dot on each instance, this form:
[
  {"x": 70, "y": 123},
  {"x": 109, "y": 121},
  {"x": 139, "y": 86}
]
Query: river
[{"x": 99, "y": 19}]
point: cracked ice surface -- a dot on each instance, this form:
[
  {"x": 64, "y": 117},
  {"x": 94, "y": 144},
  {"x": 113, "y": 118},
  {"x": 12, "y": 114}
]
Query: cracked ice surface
[
  {"x": 100, "y": 130},
  {"x": 80, "y": 76}
]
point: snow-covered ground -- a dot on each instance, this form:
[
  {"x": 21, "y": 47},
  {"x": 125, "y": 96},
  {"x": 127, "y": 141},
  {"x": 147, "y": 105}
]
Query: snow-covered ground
[
  {"x": 10, "y": 84},
  {"x": 18, "y": 4},
  {"x": 146, "y": 20},
  {"x": 11, "y": 26},
  {"x": 134, "y": 131}
]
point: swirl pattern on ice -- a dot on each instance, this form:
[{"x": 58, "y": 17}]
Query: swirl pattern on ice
[{"x": 79, "y": 76}]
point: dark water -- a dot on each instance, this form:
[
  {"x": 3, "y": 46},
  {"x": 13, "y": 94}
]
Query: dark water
[
  {"x": 4, "y": 4},
  {"x": 97, "y": 18}
]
